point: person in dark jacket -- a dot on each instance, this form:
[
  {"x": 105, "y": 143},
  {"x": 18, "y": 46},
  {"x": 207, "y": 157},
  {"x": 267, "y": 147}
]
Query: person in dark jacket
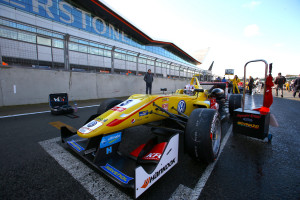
[
  {"x": 279, "y": 81},
  {"x": 297, "y": 86},
  {"x": 250, "y": 84},
  {"x": 148, "y": 78}
]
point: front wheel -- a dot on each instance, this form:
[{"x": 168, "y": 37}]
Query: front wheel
[
  {"x": 107, "y": 104},
  {"x": 203, "y": 134}
]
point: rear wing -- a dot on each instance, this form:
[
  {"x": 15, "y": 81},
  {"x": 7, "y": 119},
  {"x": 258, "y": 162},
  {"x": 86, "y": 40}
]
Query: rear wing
[{"x": 211, "y": 85}]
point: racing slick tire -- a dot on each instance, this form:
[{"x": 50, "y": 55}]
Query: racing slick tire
[
  {"x": 107, "y": 104},
  {"x": 235, "y": 101},
  {"x": 203, "y": 134}
]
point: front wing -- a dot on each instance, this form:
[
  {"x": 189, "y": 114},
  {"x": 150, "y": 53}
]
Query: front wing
[{"x": 102, "y": 153}]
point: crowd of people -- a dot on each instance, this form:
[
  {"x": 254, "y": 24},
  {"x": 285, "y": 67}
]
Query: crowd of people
[{"x": 255, "y": 86}]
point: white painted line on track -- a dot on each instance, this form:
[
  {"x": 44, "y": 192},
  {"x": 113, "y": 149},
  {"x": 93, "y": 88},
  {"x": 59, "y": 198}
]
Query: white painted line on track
[
  {"x": 25, "y": 114},
  {"x": 183, "y": 192},
  {"x": 18, "y": 115},
  {"x": 96, "y": 185}
]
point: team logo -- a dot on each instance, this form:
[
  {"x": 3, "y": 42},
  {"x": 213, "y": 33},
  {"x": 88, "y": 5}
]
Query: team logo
[
  {"x": 110, "y": 140},
  {"x": 152, "y": 156},
  {"x": 165, "y": 99},
  {"x": 75, "y": 145},
  {"x": 143, "y": 113},
  {"x": 126, "y": 102},
  {"x": 181, "y": 106},
  {"x": 132, "y": 121},
  {"x": 165, "y": 106},
  {"x": 92, "y": 123},
  {"x": 158, "y": 173},
  {"x": 116, "y": 173},
  {"x": 118, "y": 109}
]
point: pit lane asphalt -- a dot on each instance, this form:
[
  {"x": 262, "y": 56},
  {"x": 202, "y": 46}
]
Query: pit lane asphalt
[{"x": 247, "y": 168}]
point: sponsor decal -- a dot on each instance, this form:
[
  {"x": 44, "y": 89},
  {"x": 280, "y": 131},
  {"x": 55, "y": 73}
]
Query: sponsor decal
[
  {"x": 99, "y": 119},
  {"x": 181, "y": 106},
  {"x": 152, "y": 156},
  {"x": 118, "y": 109},
  {"x": 116, "y": 173},
  {"x": 254, "y": 126},
  {"x": 247, "y": 120},
  {"x": 110, "y": 140},
  {"x": 132, "y": 121},
  {"x": 92, "y": 125},
  {"x": 214, "y": 104},
  {"x": 143, "y": 113},
  {"x": 248, "y": 115},
  {"x": 165, "y": 106},
  {"x": 125, "y": 104},
  {"x": 158, "y": 173},
  {"x": 129, "y": 103},
  {"x": 108, "y": 150},
  {"x": 75, "y": 145},
  {"x": 165, "y": 99}
]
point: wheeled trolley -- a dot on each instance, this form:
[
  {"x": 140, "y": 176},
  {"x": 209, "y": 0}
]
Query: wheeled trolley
[{"x": 253, "y": 123}]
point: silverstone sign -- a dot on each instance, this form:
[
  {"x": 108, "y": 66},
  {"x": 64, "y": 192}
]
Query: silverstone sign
[{"x": 63, "y": 12}]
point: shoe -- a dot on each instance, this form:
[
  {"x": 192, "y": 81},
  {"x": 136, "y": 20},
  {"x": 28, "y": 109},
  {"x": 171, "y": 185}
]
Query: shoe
[{"x": 281, "y": 95}]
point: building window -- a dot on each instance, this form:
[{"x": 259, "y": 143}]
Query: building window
[
  {"x": 58, "y": 43},
  {"x": 93, "y": 50},
  {"x": 26, "y": 37},
  {"x": 7, "y": 33},
  {"x": 73, "y": 46},
  {"x": 44, "y": 41},
  {"x": 107, "y": 53},
  {"x": 131, "y": 58},
  {"x": 82, "y": 48}
]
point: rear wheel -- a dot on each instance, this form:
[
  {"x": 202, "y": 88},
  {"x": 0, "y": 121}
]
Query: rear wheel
[
  {"x": 203, "y": 134},
  {"x": 235, "y": 101},
  {"x": 107, "y": 104}
]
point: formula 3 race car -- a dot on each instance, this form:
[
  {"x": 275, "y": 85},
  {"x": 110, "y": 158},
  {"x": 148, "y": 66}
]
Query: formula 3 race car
[{"x": 188, "y": 120}]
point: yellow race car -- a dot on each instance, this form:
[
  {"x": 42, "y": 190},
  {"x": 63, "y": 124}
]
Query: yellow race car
[{"x": 192, "y": 115}]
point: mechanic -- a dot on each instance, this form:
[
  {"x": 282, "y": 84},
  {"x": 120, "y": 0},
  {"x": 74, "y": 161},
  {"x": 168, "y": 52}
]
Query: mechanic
[
  {"x": 250, "y": 84},
  {"x": 258, "y": 85},
  {"x": 148, "y": 78},
  {"x": 296, "y": 86},
  {"x": 235, "y": 82},
  {"x": 279, "y": 81},
  {"x": 287, "y": 86}
]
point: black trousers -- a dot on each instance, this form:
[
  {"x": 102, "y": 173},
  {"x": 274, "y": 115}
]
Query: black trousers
[
  {"x": 250, "y": 89},
  {"x": 297, "y": 87},
  {"x": 149, "y": 87}
]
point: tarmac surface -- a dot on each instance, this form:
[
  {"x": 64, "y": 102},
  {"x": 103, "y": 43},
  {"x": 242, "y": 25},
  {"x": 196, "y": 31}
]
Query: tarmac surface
[{"x": 247, "y": 168}]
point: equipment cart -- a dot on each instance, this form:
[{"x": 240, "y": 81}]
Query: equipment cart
[{"x": 255, "y": 123}]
